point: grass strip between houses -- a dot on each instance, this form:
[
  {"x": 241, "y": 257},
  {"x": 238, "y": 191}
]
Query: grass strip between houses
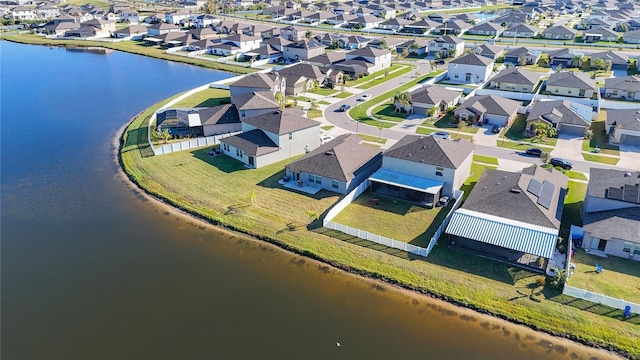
[{"x": 280, "y": 216}]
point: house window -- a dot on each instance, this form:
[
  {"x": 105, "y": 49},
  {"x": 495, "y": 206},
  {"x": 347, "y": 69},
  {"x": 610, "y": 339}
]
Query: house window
[
  {"x": 290, "y": 136},
  {"x": 556, "y": 90},
  {"x": 439, "y": 171},
  {"x": 238, "y": 153},
  {"x": 455, "y": 76},
  {"x": 315, "y": 179},
  {"x": 627, "y": 247},
  {"x": 243, "y": 113},
  {"x": 636, "y": 249},
  {"x": 614, "y": 92},
  {"x": 335, "y": 185},
  {"x": 568, "y": 91},
  {"x": 225, "y": 147}
]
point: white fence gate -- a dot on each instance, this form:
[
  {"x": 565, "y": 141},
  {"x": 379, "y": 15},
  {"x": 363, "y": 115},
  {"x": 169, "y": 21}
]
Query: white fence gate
[{"x": 600, "y": 299}]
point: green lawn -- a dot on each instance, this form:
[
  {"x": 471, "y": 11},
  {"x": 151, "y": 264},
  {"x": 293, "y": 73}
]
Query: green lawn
[
  {"x": 312, "y": 114},
  {"x": 516, "y": 131},
  {"x": 386, "y": 112},
  {"x": 324, "y": 91},
  {"x": 280, "y": 216},
  {"x": 374, "y": 139},
  {"x": 393, "y": 218},
  {"x": 424, "y": 131},
  {"x": 600, "y": 138},
  {"x": 572, "y": 212},
  {"x": 393, "y": 75},
  {"x": 377, "y": 123},
  {"x": 364, "y": 79},
  {"x": 521, "y": 146},
  {"x": 575, "y": 175},
  {"x": 446, "y": 122},
  {"x": 600, "y": 159},
  {"x": 205, "y": 98},
  {"x": 476, "y": 172},
  {"x": 619, "y": 278},
  {"x": 327, "y": 127},
  {"x": 343, "y": 95},
  {"x": 485, "y": 159}
]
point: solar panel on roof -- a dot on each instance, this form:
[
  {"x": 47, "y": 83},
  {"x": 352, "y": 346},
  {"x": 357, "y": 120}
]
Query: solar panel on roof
[
  {"x": 546, "y": 195},
  {"x": 535, "y": 187},
  {"x": 614, "y": 193},
  {"x": 630, "y": 194}
]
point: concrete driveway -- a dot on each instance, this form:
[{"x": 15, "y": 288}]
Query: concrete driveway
[
  {"x": 629, "y": 157},
  {"x": 568, "y": 147}
]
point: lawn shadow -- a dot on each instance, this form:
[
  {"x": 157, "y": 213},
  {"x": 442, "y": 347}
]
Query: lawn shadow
[
  {"x": 366, "y": 243},
  {"x": 423, "y": 239},
  {"x": 138, "y": 139},
  {"x": 211, "y": 102},
  {"x": 385, "y": 203},
  {"x": 599, "y": 309},
  {"x": 272, "y": 182},
  {"x": 292, "y": 226},
  {"x": 235, "y": 209},
  {"x": 222, "y": 162},
  {"x": 462, "y": 260}
]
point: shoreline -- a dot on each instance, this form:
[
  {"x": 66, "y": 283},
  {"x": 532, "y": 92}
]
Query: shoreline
[{"x": 351, "y": 271}]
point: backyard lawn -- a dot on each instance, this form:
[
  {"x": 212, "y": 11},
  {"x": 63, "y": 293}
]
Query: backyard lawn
[
  {"x": 446, "y": 122},
  {"x": 600, "y": 159},
  {"x": 516, "y": 132},
  {"x": 375, "y": 139},
  {"x": 367, "y": 78},
  {"x": 393, "y": 218},
  {"x": 620, "y": 278},
  {"x": 205, "y": 98},
  {"x": 572, "y": 212},
  {"x": 485, "y": 159},
  {"x": 393, "y": 75}
]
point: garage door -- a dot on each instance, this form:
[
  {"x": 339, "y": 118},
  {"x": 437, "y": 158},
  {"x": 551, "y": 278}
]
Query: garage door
[
  {"x": 419, "y": 110},
  {"x": 631, "y": 140},
  {"x": 619, "y": 67},
  {"x": 572, "y": 130},
  {"x": 562, "y": 62}
]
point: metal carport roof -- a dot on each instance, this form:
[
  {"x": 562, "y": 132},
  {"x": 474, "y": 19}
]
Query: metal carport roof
[{"x": 407, "y": 181}]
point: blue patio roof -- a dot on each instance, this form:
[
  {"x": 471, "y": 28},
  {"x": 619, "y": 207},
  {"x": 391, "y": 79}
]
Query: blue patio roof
[
  {"x": 407, "y": 181},
  {"x": 506, "y": 233}
]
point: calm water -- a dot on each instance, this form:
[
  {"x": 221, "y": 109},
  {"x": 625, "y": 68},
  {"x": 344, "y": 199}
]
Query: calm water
[{"x": 92, "y": 270}]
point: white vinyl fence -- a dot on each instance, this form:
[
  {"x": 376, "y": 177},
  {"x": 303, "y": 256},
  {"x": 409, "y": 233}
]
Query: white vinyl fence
[
  {"x": 191, "y": 143},
  {"x": 600, "y": 299},
  {"x": 379, "y": 239}
]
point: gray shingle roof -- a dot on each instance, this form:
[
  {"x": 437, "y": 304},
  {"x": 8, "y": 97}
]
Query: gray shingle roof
[
  {"x": 621, "y": 224},
  {"x": 328, "y": 58},
  {"x": 628, "y": 83},
  {"x": 257, "y": 80},
  {"x": 522, "y": 51},
  {"x": 492, "y": 104},
  {"x": 369, "y": 52},
  {"x": 472, "y": 59},
  {"x": 302, "y": 69},
  {"x": 602, "y": 179},
  {"x": 493, "y": 195},
  {"x": 613, "y": 56},
  {"x": 628, "y": 119},
  {"x": 433, "y": 95},
  {"x": 559, "y": 29},
  {"x": 578, "y": 80},
  {"x": 431, "y": 150},
  {"x": 253, "y": 143},
  {"x": 518, "y": 75},
  {"x": 222, "y": 114},
  {"x": 280, "y": 122},
  {"x": 560, "y": 111},
  {"x": 255, "y": 100},
  {"x": 339, "y": 159}
]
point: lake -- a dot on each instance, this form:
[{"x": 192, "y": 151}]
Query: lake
[{"x": 92, "y": 269}]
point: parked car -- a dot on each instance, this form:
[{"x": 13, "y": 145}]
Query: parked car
[
  {"x": 441, "y": 134},
  {"x": 364, "y": 97},
  {"x": 496, "y": 129},
  {"x": 443, "y": 201},
  {"x": 345, "y": 107},
  {"x": 566, "y": 165},
  {"x": 535, "y": 152},
  {"x": 439, "y": 62},
  {"x": 325, "y": 139}
]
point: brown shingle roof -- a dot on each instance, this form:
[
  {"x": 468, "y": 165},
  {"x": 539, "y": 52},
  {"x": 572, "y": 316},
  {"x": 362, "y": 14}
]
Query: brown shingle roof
[
  {"x": 253, "y": 143},
  {"x": 431, "y": 150},
  {"x": 280, "y": 122}
]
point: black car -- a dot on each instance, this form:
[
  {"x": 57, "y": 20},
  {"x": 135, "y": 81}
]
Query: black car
[
  {"x": 535, "y": 152},
  {"x": 345, "y": 107},
  {"x": 496, "y": 129},
  {"x": 439, "y": 62},
  {"x": 562, "y": 163}
]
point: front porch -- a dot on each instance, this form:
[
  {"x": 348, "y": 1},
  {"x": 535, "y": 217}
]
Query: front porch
[{"x": 305, "y": 187}]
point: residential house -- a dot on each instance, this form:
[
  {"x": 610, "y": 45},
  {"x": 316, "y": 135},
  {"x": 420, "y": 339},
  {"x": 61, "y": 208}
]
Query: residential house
[
  {"x": 365, "y": 22},
  {"x": 439, "y": 17},
  {"x": 221, "y": 119},
  {"x": 242, "y": 42},
  {"x": 414, "y": 46},
  {"x": 203, "y": 33},
  {"x": 559, "y": 32},
  {"x": 574, "y": 84},
  {"x": 487, "y": 29},
  {"x": 618, "y": 60},
  {"x": 522, "y": 55},
  {"x": 420, "y": 27},
  {"x": 47, "y": 11},
  {"x": 425, "y": 98},
  {"x": 567, "y": 117},
  {"x": 489, "y": 51},
  {"x": 512, "y": 217},
  {"x": 521, "y": 31},
  {"x": 600, "y": 34},
  {"x": 133, "y": 32},
  {"x": 320, "y": 17},
  {"x": 565, "y": 57},
  {"x": 394, "y": 24},
  {"x": 516, "y": 79},
  {"x": 255, "y": 103},
  {"x": 379, "y": 58},
  {"x": 339, "y": 165},
  {"x": 326, "y": 60},
  {"x": 23, "y": 13},
  {"x": 272, "y": 137},
  {"x": 354, "y": 42},
  {"x": 447, "y": 46},
  {"x": 611, "y": 216},
  {"x": 302, "y": 50},
  {"x": 302, "y": 77},
  {"x": 487, "y": 109},
  {"x": 470, "y": 68},
  {"x": 456, "y": 27},
  {"x": 631, "y": 37},
  {"x": 176, "y": 17},
  {"x": 422, "y": 169},
  {"x": 202, "y": 21},
  {"x": 270, "y": 82},
  {"x": 624, "y": 88},
  {"x": 277, "y": 42},
  {"x": 162, "y": 28},
  {"x": 129, "y": 16},
  {"x": 592, "y": 24},
  {"x": 383, "y": 11},
  {"x": 60, "y": 28},
  {"x": 293, "y": 33},
  {"x": 512, "y": 19},
  {"x": 623, "y": 126}
]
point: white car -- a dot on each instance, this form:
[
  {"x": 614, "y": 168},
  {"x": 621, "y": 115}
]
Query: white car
[
  {"x": 364, "y": 97},
  {"x": 325, "y": 139},
  {"x": 442, "y": 135}
]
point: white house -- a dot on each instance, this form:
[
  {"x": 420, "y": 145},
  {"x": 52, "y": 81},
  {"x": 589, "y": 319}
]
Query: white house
[
  {"x": 47, "y": 11},
  {"x": 176, "y": 17},
  {"x": 447, "y": 46},
  {"x": 23, "y": 13},
  {"x": 623, "y": 88},
  {"x": 470, "y": 69},
  {"x": 623, "y": 126},
  {"x": 380, "y": 58}
]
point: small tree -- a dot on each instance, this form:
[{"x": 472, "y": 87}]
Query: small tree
[
  {"x": 308, "y": 35},
  {"x": 432, "y": 111},
  {"x": 252, "y": 197},
  {"x": 414, "y": 47},
  {"x": 405, "y": 53},
  {"x": 522, "y": 60},
  {"x": 438, "y": 55},
  {"x": 162, "y": 135},
  {"x": 559, "y": 68},
  {"x": 314, "y": 104},
  {"x": 280, "y": 100},
  {"x": 383, "y": 44},
  {"x": 346, "y": 78},
  {"x": 312, "y": 216}
]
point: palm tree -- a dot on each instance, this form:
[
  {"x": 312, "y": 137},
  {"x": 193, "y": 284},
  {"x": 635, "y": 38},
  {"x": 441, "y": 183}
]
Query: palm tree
[
  {"x": 308, "y": 35},
  {"x": 598, "y": 64},
  {"x": 577, "y": 60},
  {"x": 383, "y": 44},
  {"x": 314, "y": 104},
  {"x": 280, "y": 100},
  {"x": 400, "y": 99},
  {"x": 414, "y": 47},
  {"x": 543, "y": 131}
]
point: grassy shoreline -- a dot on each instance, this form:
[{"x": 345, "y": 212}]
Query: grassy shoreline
[
  {"x": 431, "y": 277},
  {"x": 132, "y": 47}
]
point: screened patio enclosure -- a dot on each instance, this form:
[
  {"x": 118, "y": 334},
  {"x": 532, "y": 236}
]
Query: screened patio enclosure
[{"x": 415, "y": 189}]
